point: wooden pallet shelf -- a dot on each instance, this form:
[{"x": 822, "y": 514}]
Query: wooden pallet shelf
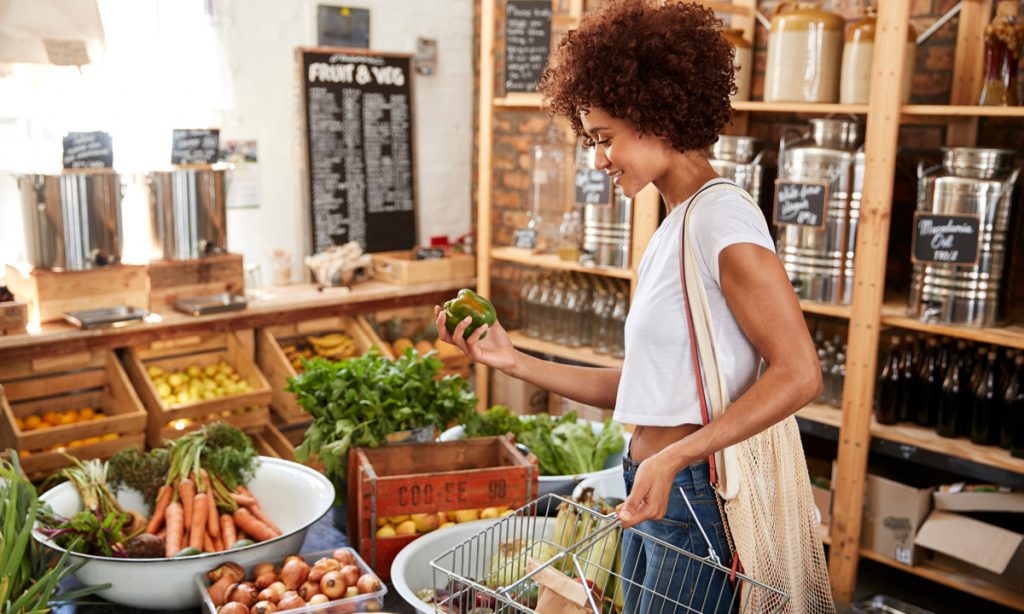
[
  {"x": 826, "y": 309},
  {"x": 895, "y": 314},
  {"x": 584, "y": 354},
  {"x": 521, "y": 102},
  {"x": 945, "y": 111},
  {"x": 954, "y": 579},
  {"x": 552, "y": 261},
  {"x": 815, "y": 108}
]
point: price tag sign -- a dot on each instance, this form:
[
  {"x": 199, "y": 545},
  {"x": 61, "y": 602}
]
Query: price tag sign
[
  {"x": 946, "y": 239},
  {"x": 593, "y": 187},
  {"x": 525, "y": 238},
  {"x": 800, "y": 203},
  {"x": 527, "y": 43},
  {"x": 88, "y": 150},
  {"x": 195, "y": 146}
]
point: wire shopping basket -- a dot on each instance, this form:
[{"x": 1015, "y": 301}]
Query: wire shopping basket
[{"x": 498, "y": 570}]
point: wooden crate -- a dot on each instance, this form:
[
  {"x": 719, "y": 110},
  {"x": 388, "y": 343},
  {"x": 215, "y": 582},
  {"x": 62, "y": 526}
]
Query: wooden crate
[
  {"x": 170, "y": 280},
  {"x": 98, "y": 383},
  {"x": 402, "y": 268},
  {"x": 396, "y": 480},
  {"x": 247, "y": 411},
  {"x": 417, "y": 324},
  {"x": 13, "y": 317},
  {"x": 50, "y": 294},
  {"x": 275, "y": 365},
  {"x": 274, "y": 443}
]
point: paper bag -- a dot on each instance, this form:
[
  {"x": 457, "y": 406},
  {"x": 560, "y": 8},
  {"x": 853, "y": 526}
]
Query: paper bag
[{"x": 557, "y": 593}]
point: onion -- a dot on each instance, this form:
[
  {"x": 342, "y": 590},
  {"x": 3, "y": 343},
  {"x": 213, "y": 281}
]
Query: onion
[
  {"x": 321, "y": 567},
  {"x": 317, "y": 599},
  {"x": 290, "y": 601},
  {"x": 294, "y": 573},
  {"x": 344, "y": 556},
  {"x": 270, "y": 594},
  {"x": 263, "y": 607},
  {"x": 307, "y": 590},
  {"x": 333, "y": 585},
  {"x": 233, "y": 608},
  {"x": 244, "y": 593},
  {"x": 351, "y": 592},
  {"x": 367, "y": 583},
  {"x": 265, "y": 575},
  {"x": 351, "y": 574},
  {"x": 227, "y": 569}
]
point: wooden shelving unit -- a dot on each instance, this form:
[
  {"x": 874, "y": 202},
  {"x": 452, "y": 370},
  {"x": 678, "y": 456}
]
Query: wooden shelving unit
[
  {"x": 869, "y": 314},
  {"x": 584, "y": 355},
  {"x": 553, "y": 262}
]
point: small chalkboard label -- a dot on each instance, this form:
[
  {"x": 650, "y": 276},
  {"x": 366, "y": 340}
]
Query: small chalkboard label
[
  {"x": 429, "y": 253},
  {"x": 593, "y": 187},
  {"x": 88, "y": 150},
  {"x": 946, "y": 239},
  {"x": 800, "y": 203},
  {"x": 525, "y": 238},
  {"x": 527, "y": 43},
  {"x": 195, "y": 146}
]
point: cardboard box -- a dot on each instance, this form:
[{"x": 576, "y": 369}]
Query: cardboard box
[
  {"x": 818, "y": 469},
  {"x": 13, "y": 317},
  {"x": 892, "y": 514},
  {"x": 983, "y": 550},
  {"x": 521, "y": 397},
  {"x": 980, "y": 501}
]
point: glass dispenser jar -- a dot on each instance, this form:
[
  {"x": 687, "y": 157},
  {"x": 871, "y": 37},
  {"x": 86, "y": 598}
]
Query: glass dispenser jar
[
  {"x": 1003, "y": 39},
  {"x": 549, "y": 192}
]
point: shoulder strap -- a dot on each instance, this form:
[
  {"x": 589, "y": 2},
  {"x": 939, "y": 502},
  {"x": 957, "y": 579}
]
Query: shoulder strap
[{"x": 712, "y": 391}]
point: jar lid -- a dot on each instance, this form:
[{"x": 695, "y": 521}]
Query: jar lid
[
  {"x": 739, "y": 149},
  {"x": 977, "y": 162},
  {"x": 838, "y": 133},
  {"x": 863, "y": 30}
]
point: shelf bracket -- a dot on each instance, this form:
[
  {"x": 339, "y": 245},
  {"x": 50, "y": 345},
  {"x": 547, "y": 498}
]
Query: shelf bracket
[{"x": 941, "y": 21}]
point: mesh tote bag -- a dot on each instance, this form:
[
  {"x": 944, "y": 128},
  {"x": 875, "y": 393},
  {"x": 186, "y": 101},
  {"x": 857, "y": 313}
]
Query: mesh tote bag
[{"x": 762, "y": 482}]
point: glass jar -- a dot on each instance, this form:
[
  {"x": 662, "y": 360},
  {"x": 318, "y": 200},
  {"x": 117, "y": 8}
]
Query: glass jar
[
  {"x": 549, "y": 192},
  {"x": 1003, "y": 38},
  {"x": 570, "y": 235}
]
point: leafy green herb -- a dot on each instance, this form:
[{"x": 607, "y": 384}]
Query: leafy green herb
[
  {"x": 143, "y": 471},
  {"x": 225, "y": 453},
  {"x": 358, "y": 402}
]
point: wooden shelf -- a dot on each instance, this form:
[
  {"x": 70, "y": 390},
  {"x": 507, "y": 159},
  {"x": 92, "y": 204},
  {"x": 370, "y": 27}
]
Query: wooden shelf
[
  {"x": 584, "y": 354},
  {"x": 527, "y": 102},
  {"x": 819, "y": 108},
  {"x": 895, "y": 314},
  {"x": 954, "y": 579},
  {"x": 826, "y": 309},
  {"x": 946, "y": 111},
  {"x": 552, "y": 261},
  {"x": 921, "y": 437}
]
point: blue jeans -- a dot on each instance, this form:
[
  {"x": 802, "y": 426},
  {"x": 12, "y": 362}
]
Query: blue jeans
[{"x": 657, "y": 580}]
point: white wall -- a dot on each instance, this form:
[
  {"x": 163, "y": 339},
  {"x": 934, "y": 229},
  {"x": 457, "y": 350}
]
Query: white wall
[{"x": 261, "y": 37}]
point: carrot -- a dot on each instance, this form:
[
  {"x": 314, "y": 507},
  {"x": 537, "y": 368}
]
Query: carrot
[
  {"x": 175, "y": 528},
  {"x": 163, "y": 498},
  {"x": 256, "y": 510},
  {"x": 208, "y": 545},
  {"x": 198, "y": 528},
  {"x": 212, "y": 522},
  {"x": 227, "y": 530},
  {"x": 245, "y": 500},
  {"x": 258, "y": 529},
  {"x": 187, "y": 493},
  {"x": 218, "y": 544}
]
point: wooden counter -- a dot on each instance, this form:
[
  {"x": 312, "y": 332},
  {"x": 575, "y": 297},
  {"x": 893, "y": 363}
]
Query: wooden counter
[{"x": 278, "y": 305}]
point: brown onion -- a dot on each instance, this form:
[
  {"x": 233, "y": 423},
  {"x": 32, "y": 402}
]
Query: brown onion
[
  {"x": 368, "y": 583},
  {"x": 351, "y": 574},
  {"x": 344, "y": 556},
  {"x": 294, "y": 573},
  {"x": 333, "y": 585},
  {"x": 321, "y": 567},
  {"x": 308, "y": 589},
  {"x": 351, "y": 592},
  {"x": 317, "y": 599},
  {"x": 244, "y": 593},
  {"x": 233, "y": 608},
  {"x": 218, "y": 590},
  {"x": 265, "y": 575},
  {"x": 227, "y": 569},
  {"x": 263, "y": 607},
  {"x": 290, "y": 601},
  {"x": 271, "y": 595}
]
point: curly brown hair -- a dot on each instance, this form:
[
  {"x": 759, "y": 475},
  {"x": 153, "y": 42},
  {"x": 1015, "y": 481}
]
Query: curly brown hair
[{"x": 663, "y": 67}]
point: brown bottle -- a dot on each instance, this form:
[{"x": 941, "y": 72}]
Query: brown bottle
[
  {"x": 987, "y": 406},
  {"x": 949, "y": 400},
  {"x": 888, "y": 395},
  {"x": 928, "y": 386},
  {"x": 1012, "y": 436}
]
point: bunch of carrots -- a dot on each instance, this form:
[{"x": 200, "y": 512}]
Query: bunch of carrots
[{"x": 196, "y": 511}]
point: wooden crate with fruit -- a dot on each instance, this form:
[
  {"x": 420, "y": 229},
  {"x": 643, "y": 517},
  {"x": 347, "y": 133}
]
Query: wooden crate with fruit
[
  {"x": 413, "y": 327},
  {"x": 86, "y": 408},
  {"x": 187, "y": 382},
  {"x": 398, "y": 492},
  {"x": 280, "y": 351}
]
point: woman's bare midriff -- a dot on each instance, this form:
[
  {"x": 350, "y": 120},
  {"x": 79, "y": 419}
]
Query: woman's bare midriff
[{"x": 649, "y": 440}]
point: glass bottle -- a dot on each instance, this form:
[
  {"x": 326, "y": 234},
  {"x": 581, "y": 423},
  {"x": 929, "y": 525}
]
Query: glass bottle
[
  {"x": 825, "y": 373},
  {"x": 571, "y": 315},
  {"x": 532, "y": 319},
  {"x": 926, "y": 399},
  {"x": 546, "y": 311},
  {"x": 838, "y": 375},
  {"x": 907, "y": 377},
  {"x": 618, "y": 324},
  {"x": 549, "y": 190},
  {"x": 570, "y": 236},
  {"x": 967, "y": 397},
  {"x": 524, "y": 304},
  {"x": 1013, "y": 405},
  {"x": 1003, "y": 38},
  {"x": 888, "y": 386},
  {"x": 556, "y": 333},
  {"x": 986, "y": 414},
  {"x": 585, "y": 319},
  {"x": 602, "y": 309},
  {"x": 949, "y": 401}
]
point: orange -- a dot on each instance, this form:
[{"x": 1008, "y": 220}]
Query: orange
[
  {"x": 52, "y": 417},
  {"x": 87, "y": 413},
  {"x": 33, "y": 422}
]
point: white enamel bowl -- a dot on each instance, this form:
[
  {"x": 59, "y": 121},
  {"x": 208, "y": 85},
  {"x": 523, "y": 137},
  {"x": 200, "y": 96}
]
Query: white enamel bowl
[
  {"x": 561, "y": 484},
  {"x": 292, "y": 495}
]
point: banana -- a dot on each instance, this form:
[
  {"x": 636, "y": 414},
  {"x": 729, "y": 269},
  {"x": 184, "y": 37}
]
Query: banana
[{"x": 329, "y": 341}]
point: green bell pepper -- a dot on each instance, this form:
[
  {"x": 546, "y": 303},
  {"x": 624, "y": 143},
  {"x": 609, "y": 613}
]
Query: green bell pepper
[{"x": 469, "y": 303}]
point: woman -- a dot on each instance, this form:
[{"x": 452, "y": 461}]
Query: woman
[{"x": 647, "y": 85}]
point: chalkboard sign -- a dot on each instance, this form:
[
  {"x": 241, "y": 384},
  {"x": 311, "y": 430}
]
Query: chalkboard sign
[
  {"x": 593, "y": 187},
  {"x": 800, "y": 203},
  {"x": 525, "y": 238},
  {"x": 946, "y": 239},
  {"x": 527, "y": 43},
  {"x": 88, "y": 150},
  {"x": 195, "y": 146},
  {"x": 358, "y": 131}
]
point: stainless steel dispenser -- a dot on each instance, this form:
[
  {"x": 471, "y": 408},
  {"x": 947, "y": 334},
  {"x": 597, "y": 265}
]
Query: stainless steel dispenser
[
  {"x": 970, "y": 182},
  {"x": 187, "y": 212},
  {"x": 73, "y": 220},
  {"x": 738, "y": 158},
  {"x": 606, "y": 232},
  {"x": 819, "y": 261}
]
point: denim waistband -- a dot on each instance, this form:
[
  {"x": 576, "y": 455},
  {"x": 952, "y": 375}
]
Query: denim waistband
[{"x": 628, "y": 464}]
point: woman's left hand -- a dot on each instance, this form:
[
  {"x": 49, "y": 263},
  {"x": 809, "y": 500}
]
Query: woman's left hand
[{"x": 651, "y": 489}]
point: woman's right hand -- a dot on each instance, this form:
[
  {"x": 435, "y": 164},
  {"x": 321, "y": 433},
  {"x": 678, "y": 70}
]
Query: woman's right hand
[{"x": 495, "y": 350}]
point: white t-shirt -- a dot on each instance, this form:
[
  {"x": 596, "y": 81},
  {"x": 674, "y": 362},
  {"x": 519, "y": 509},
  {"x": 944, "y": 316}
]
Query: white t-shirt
[{"x": 657, "y": 387}]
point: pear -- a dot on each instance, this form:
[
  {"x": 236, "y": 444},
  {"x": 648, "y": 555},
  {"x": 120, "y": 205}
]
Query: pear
[
  {"x": 386, "y": 531},
  {"x": 489, "y": 512},
  {"x": 467, "y": 515},
  {"x": 425, "y": 523},
  {"x": 406, "y": 528}
]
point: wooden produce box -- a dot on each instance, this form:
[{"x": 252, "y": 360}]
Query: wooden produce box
[
  {"x": 405, "y": 479},
  {"x": 245, "y": 410},
  {"x": 414, "y": 326},
  {"x": 50, "y": 294},
  {"x": 97, "y": 382},
  {"x": 170, "y": 280},
  {"x": 402, "y": 267},
  {"x": 13, "y": 317},
  {"x": 272, "y": 442},
  {"x": 273, "y": 360}
]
